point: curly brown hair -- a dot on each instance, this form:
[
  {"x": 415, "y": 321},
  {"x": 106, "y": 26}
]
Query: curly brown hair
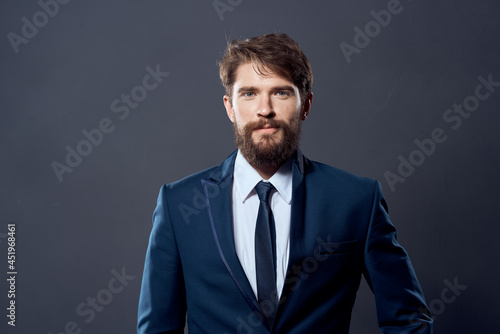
[{"x": 272, "y": 53}]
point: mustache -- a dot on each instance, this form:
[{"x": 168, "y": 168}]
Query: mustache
[{"x": 264, "y": 123}]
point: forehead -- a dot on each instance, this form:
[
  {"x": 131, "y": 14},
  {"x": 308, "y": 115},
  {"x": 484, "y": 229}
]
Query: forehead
[{"x": 250, "y": 74}]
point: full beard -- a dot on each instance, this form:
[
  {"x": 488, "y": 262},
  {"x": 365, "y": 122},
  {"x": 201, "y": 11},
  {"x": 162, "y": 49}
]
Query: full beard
[{"x": 270, "y": 149}]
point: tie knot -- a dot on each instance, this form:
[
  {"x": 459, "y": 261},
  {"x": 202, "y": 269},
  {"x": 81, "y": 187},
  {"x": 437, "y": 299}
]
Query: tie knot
[{"x": 264, "y": 190}]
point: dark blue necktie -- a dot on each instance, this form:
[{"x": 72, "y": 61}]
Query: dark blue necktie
[{"x": 265, "y": 254}]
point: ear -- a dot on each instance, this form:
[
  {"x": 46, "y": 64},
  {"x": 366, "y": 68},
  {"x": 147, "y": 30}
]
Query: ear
[
  {"x": 307, "y": 107},
  {"x": 229, "y": 108}
]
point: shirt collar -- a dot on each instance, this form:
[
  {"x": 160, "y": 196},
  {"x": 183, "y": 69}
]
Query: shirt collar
[{"x": 246, "y": 178}]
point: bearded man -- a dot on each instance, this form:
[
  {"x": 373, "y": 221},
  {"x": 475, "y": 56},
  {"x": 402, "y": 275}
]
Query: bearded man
[{"x": 269, "y": 241}]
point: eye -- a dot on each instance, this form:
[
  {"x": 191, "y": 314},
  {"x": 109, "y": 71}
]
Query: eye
[
  {"x": 283, "y": 93},
  {"x": 248, "y": 94}
]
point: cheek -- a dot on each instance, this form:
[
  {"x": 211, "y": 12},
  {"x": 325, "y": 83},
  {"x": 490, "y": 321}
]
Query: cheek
[
  {"x": 238, "y": 123},
  {"x": 291, "y": 111},
  {"x": 241, "y": 116}
]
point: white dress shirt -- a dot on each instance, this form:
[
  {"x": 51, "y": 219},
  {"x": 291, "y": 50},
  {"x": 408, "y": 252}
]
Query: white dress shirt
[{"x": 245, "y": 204}]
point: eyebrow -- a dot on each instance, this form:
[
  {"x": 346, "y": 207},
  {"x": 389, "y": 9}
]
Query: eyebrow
[
  {"x": 280, "y": 88},
  {"x": 247, "y": 89},
  {"x": 274, "y": 89}
]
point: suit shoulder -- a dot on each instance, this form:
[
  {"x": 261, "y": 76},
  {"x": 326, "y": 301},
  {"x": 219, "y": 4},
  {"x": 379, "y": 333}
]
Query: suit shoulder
[
  {"x": 339, "y": 177},
  {"x": 192, "y": 180},
  {"x": 183, "y": 190},
  {"x": 218, "y": 173}
]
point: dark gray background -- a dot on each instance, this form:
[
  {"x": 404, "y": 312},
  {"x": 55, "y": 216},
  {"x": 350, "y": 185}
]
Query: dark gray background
[{"x": 72, "y": 234}]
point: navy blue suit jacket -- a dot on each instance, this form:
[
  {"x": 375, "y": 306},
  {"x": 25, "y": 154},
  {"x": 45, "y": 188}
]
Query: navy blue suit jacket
[{"x": 340, "y": 230}]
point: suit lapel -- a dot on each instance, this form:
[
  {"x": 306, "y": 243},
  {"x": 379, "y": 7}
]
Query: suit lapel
[
  {"x": 297, "y": 215},
  {"x": 218, "y": 198},
  {"x": 301, "y": 168}
]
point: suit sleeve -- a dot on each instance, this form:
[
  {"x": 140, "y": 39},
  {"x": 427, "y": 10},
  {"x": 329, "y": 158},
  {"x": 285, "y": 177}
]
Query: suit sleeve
[
  {"x": 162, "y": 303},
  {"x": 399, "y": 299}
]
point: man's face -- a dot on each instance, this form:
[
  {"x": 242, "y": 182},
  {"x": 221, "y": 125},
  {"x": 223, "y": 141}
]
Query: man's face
[{"x": 267, "y": 114}]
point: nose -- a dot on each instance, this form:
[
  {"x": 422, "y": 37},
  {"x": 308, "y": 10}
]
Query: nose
[{"x": 265, "y": 107}]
